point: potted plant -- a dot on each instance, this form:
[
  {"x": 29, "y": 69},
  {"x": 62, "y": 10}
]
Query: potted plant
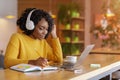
[{"x": 67, "y": 11}]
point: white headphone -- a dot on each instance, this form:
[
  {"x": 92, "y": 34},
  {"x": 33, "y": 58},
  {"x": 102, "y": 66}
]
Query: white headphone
[{"x": 30, "y": 23}]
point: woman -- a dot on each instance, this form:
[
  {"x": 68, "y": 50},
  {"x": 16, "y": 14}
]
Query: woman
[{"x": 31, "y": 46}]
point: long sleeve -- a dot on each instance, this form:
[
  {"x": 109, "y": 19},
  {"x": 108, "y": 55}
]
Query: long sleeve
[
  {"x": 12, "y": 53},
  {"x": 55, "y": 51},
  {"x": 22, "y": 48}
]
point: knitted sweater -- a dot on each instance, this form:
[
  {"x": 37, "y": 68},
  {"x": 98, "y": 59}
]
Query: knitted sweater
[{"x": 22, "y": 48}]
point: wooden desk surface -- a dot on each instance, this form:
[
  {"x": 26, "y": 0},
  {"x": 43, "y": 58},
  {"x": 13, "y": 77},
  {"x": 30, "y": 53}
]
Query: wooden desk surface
[
  {"x": 105, "y": 51},
  {"x": 103, "y": 59}
]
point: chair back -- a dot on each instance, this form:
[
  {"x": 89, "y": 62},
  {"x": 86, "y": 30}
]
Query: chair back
[{"x": 1, "y": 60}]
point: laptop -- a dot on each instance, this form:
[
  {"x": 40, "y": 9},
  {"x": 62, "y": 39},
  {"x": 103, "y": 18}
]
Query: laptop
[{"x": 80, "y": 59}]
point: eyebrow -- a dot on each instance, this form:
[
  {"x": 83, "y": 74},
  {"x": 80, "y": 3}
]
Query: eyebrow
[{"x": 43, "y": 27}]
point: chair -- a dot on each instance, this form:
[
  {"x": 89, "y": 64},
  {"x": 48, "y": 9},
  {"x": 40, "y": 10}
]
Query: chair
[{"x": 1, "y": 61}]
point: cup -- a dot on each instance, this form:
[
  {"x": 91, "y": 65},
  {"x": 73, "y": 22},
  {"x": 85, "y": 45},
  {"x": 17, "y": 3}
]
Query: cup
[
  {"x": 69, "y": 62},
  {"x": 71, "y": 59}
]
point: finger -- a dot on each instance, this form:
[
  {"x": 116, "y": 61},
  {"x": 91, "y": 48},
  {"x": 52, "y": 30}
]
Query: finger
[
  {"x": 44, "y": 65},
  {"x": 43, "y": 61}
]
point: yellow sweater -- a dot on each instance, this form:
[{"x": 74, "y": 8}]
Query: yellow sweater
[{"x": 22, "y": 48}]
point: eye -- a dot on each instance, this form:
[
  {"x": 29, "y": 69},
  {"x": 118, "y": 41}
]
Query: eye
[{"x": 41, "y": 28}]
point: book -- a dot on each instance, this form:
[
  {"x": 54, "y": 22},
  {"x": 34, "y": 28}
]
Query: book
[{"x": 29, "y": 68}]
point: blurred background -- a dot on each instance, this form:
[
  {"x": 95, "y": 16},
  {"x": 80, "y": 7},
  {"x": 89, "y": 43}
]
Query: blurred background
[{"x": 79, "y": 22}]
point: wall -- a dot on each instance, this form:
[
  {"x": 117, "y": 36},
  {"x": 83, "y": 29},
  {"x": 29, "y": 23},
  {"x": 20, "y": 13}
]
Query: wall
[
  {"x": 7, "y": 26},
  {"x": 49, "y": 5},
  {"x": 96, "y": 8}
]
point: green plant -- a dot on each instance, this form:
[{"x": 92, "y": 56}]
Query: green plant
[
  {"x": 109, "y": 33},
  {"x": 67, "y": 11}
]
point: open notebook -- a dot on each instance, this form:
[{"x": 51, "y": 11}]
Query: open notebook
[
  {"x": 29, "y": 68},
  {"x": 81, "y": 58}
]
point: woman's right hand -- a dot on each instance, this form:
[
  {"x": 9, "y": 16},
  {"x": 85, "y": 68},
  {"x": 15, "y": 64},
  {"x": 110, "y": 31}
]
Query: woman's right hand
[
  {"x": 42, "y": 62},
  {"x": 39, "y": 62}
]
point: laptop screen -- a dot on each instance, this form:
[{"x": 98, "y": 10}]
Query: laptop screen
[{"x": 83, "y": 55}]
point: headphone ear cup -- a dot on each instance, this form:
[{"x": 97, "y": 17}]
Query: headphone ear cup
[{"x": 30, "y": 25}]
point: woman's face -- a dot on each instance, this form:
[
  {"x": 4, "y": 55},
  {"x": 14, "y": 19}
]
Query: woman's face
[{"x": 41, "y": 29}]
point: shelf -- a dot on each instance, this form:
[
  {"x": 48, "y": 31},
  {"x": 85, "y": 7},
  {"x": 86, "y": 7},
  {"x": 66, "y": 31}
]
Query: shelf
[
  {"x": 72, "y": 29},
  {"x": 78, "y": 18},
  {"x": 74, "y": 42},
  {"x": 72, "y": 36}
]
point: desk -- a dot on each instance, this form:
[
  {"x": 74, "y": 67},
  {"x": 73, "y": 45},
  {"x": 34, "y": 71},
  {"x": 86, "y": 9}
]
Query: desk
[
  {"x": 105, "y": 51},
  {"x": 103, "y": 59}
]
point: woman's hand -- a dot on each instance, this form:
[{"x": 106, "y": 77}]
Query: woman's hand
[
  {"x": 42, "y": 62},
  {"x": 53, "y": 32},
  {"x": 39, "y": 62}
]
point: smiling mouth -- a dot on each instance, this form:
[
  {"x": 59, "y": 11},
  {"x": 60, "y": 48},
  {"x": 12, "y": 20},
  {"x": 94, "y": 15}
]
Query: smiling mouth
[{"x": 42, "y": 36}]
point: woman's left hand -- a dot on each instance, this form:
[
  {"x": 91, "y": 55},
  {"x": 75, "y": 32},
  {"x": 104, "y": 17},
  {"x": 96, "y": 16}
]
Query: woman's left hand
[{"x": 53, "y": 32}]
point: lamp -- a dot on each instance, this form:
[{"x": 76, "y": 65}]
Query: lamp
[
  {"x": 50, "y": 9},
  {"x": 109, "y": 12},
  {"x": 10, "y": 17}
]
